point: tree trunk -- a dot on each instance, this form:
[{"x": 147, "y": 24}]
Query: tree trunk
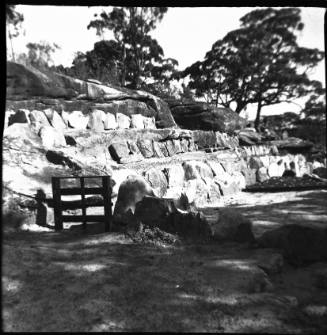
[
  {"x": 257, "y": 119},
  {"x": 123, "y": 75},
  {"x": 12, "y": 49},
  {"x": 239, "y": 108}
]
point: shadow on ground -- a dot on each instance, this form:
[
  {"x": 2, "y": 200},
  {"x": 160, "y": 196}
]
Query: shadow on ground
[
  {"x": 271, "y": 210},
  {"x": 104, "y": 282}
]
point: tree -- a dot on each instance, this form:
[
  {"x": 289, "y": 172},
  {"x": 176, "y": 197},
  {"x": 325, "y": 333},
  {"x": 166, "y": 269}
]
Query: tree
[
  {"x": 259, "y": 63},
  {"x": 39, "y": 54},
  {"x": 162, "y": 76},
  {"x": 315, "y": 107},
  {"x": 138, "y": 50},
  {"x": 14, "y": 21},
  {"x": 101, "y": 63}
]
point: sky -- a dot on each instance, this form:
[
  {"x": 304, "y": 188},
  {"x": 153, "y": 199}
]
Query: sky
[{"x": 185, "y": 34}]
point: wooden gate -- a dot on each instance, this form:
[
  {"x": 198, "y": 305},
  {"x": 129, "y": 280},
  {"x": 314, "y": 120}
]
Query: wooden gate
[{"x": 59, "y": 205}]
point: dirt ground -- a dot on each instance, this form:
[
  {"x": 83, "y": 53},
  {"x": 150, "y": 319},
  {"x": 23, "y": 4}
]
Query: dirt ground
[{"x": 104, "y": 282}]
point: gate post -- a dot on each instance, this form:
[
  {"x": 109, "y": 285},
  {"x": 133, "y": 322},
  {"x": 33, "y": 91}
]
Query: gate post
[
  {"x": 57, "y": 203},
  {"x": 106, "y": 187}
]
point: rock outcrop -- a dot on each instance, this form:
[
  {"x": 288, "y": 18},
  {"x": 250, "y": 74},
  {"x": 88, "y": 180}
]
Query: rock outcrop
[
  {"x": 198, "y": 115},
  {"x": 299, "y": 244},
  {"x": 30, "y": 88},
  {"x": 230, "y": 225},
  {"x": 293, "y": 145}
]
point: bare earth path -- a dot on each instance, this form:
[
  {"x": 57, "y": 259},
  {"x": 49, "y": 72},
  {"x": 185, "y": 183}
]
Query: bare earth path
[{"x": 104, "y": 282}]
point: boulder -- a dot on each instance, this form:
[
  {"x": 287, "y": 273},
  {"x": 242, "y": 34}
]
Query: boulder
[
  {"x": 293, "y": 145},
  {"x": 198, "y": 115},
  {"x": 298, "y": 244},
  {"x": 162, "y": 213},
  {"x": 119, "y": 150},
  {"x": 191, "y": 145},
  {"x": 164, "y": 117},
  {"x": 38, "y": 119},
  {"x": 239, "y": 178},
  {"x": 137, "y": 121},
  {"x": 21, "y": 132},
  {"x": 96, "y": 120},
  {"x": 184, "y": 145},
  {"x": 157, "y": 180},
  {"x": 177, "y": 133},
  {"x": 255, "y": 163},
  {"x": 20, "y": 116},
  {"x": 154, "y": 212},
  {"x": 191, "y": 225},
  {"x": 78, "y": 120},
  {"x": 289, "y": 173},
  {"x": 173, "y": 192},
  {"x": 214, "y": 194},
  {"x": 231, "y": 166},
  {"x": 317, "y": 164},
  {"x": 227, "y": 187},
  {"x": 157, "y": 149},
  {"x": 269, "y": 261},
  {"x": 134, "y": 149},
  {"x": 57, "y": 122},
  {"x": 117, "y": 177},
  {"x": 149, "y": 123},
  {"x": 274, "y": 170},
  {"x": 216, "y": 168},
  {"x": 265, "y": 161},
  {"x": 171, "y": 149},
  {"x": 175, "y": 175},
  {"x": 250, "y": 176},
  {"x": 320, "y": 172},
  {"x": 273, "y": 150},
  {"x": 262, "y": 174},
  {"x": 197, "y": 192},
  {"x": 123, "y": 121},
  {"x": 48, "y": 113},
  {"x": 163, "y": 148},
  {"x": 249, "y": 136},
  {"x": 191, "y": 172},
  {"x": 197, "y": 169},
  {"x": 145, "y": 147},
  {"x": 131, "y": 158},
  {"x": 230, "y": 225},
  {"x": 188, "y": 190},
  {"x": 204, "y": 139},
  {"x": 109, "y": 121},
  {"x": 132, "y": 190},
  {"x": 225, "y": 177},
  {"x": 52, "y": 137},
  {"x": 65, "y": 118},
  {"x": 320, "y": 276},
  {"x": 221, "y": 140},
  {"x": 177, "y": 146}
]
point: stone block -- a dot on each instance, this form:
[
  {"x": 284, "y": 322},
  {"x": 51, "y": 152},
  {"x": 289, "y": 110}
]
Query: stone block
[
  {"x": 123, "y": 121},
  {"x": 109, "y": 121},
  {"x": 145, "y": 147}
]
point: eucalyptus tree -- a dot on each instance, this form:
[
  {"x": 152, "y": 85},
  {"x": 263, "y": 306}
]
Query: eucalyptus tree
[
  {"x": 14, "y": 21},
  {"x": 131, "y": 27},
  {"x": 261, "y": 62}
]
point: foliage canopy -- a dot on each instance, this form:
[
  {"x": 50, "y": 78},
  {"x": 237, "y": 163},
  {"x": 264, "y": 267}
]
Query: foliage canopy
[{"x": 260, "y": 63}]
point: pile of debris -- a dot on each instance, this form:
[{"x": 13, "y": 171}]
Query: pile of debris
[
  {"x": 282, "y": 184},
  {"x": 160, "y": 221}
]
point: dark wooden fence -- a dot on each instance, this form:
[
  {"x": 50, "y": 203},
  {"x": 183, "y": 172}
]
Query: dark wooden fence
[{"x": 59, "y": 205}]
